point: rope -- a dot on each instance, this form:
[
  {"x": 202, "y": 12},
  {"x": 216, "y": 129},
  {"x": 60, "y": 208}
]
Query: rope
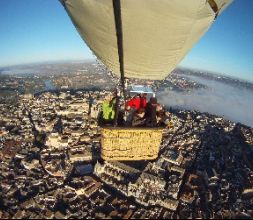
[{"x": 118, "y": 27}]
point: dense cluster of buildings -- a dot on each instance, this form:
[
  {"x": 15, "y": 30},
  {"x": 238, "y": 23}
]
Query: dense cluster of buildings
[
  {"x": 20, "y": 83},
  {"x": 50, "y": 165},
  {"x": 50, "y": 155}
]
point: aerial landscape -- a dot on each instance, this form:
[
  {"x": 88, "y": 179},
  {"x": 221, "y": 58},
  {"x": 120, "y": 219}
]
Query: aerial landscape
[
  {"x": 203, "y": 157},
  {"x": 122, "y": 109}
]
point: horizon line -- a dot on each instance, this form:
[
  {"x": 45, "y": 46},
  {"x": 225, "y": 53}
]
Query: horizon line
[
  {"x": 47, "y": 61},
  {"x": 94, "y": 59}
]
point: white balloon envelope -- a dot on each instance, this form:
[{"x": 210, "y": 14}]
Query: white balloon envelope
[{"x": 156, "y": 34}]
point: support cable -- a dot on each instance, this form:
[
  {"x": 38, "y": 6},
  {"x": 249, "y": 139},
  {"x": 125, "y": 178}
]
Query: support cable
[{"x": 118, "y": 27}]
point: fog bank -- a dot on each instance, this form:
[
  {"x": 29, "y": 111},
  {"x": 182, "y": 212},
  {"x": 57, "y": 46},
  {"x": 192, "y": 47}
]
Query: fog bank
[{"x": 233, "y": 103}]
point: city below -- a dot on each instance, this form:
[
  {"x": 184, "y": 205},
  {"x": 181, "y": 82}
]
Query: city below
[{"x": 50, "y": 148}]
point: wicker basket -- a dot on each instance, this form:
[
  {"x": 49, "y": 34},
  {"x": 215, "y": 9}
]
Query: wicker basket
[{"x": 130, "y": 143}]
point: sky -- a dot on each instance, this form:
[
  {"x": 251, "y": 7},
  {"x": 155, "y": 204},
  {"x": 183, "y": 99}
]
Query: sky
[{"x": 40, "y": 30}]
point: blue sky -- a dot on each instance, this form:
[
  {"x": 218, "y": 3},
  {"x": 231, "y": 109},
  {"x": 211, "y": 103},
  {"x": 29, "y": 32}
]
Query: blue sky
[{"x": 40, "y": 30}]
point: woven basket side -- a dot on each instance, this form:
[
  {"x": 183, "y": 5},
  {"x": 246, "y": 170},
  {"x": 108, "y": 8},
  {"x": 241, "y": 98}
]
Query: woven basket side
[{"x": 130, "y": 144}]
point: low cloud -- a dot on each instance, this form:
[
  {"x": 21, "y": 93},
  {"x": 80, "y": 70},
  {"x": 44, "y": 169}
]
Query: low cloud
[{"x": 233, "y": 103}]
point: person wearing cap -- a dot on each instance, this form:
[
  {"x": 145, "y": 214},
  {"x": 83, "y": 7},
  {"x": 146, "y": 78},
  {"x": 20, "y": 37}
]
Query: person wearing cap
[
  {"x": 132, "y": 106},
  {"x": 139, "y": 117},
  {"x": 136, "y": 107}
]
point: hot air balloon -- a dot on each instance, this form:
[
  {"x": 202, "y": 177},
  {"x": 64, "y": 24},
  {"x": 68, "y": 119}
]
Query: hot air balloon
[{"x": 143, "y": 39}]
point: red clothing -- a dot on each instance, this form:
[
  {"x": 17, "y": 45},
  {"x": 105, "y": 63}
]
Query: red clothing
[
  {"x": 143, "y": 102},
  {"x": 137, "y": 103},
  {"x": 134, "y": 103}
]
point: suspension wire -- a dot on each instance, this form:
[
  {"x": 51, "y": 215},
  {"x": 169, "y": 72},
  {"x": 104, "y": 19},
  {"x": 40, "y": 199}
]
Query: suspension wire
[{"x": 118, "y": 27}]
